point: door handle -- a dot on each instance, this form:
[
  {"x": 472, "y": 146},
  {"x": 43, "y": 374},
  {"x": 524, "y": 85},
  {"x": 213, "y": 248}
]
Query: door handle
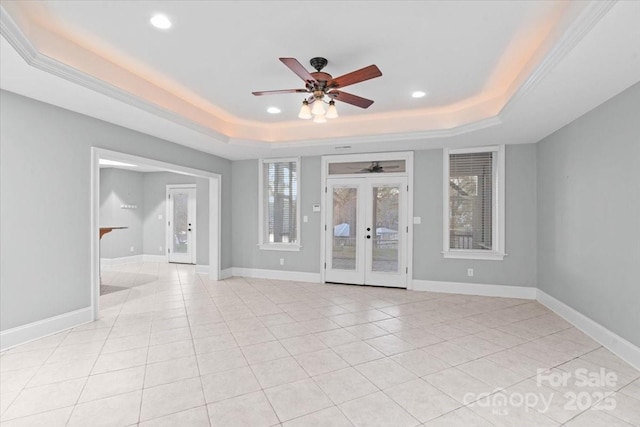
[
  {"x": 368, "y": 236},
  {"x": 189, "y": 229}
]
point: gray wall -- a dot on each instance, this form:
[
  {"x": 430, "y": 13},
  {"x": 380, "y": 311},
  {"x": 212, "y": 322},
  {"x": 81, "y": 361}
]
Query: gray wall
[
  {"x": 121, "y": 187},
  {"x": 245, "y": 224},
  {"x": 155, "y": 202},
  {"x": 572, "y": 212},
  {"x": 519, "y": 267},
  {"x": 588, "y": 214},
  {"x": 45, "y": 203},
  {"x": 146, "y": 232}
]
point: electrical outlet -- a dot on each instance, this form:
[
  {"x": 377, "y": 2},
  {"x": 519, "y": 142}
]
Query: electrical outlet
[
  {"x": 281, "y": 261},
  {"x": 160, "y": 249},
  {"x": 132, "y": 249},
  {"x": 470, "y": 272}
]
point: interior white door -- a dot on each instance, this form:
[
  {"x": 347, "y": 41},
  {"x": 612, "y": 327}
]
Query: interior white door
[
  {"x": 366, "y": 233},
  {"x": 181, "y": 235}
]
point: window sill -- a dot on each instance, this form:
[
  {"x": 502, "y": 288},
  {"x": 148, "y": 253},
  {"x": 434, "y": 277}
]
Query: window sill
[
  {"x": 484, "y": 256},
  {"x": 280, "y": 247}
]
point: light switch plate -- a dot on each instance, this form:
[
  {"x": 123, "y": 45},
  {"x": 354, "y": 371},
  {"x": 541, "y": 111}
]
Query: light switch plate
[
  {"x": 316, "y": 207},
  {"x": 417, "y": 220}
]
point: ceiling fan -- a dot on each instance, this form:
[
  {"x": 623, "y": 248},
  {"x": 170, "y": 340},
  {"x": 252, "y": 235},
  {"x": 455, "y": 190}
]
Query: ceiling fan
[
  {"x": 376, "y": 167},
  {"x": 319, "y": 83}
]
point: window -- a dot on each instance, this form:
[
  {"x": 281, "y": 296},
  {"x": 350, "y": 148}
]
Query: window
[
  {"x": 279, "y": 208},
  {"x": 474, "y": 203}
]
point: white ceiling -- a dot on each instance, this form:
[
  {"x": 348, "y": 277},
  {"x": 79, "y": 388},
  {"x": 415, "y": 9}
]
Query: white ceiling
[
  {"x": 506, "y": 72},
  {"x": 223, "y": 51}
]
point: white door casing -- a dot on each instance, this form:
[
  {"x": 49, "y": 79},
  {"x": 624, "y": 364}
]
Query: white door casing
[
  {"x": 215, "y": 214},
  {"x": 330, "y": 171},
  {"x": 367, "y": 234}
]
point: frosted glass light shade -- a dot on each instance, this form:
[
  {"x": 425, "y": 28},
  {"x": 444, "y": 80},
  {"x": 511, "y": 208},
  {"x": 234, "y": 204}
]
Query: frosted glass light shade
[
  {"x": 305, "y": 111},
  {"x": 332, "y": 111},
  {"x": 318, "y": 108}
]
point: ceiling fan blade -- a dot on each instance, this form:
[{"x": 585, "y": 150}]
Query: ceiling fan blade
[
  {"x": 297, "y": 68},
  {"x": 350, "y": 99},
  {"x": 273, "y": 92},
  {"x": 366, "y": 73}
]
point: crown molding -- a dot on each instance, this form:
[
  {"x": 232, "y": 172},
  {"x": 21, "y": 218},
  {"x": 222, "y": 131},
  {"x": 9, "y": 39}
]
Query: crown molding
[
  {"x": 371, "y": 139},
  {"x": 10, "y": 30},
  {"x": 580, "y": 27},
  {"x": 14, "y": 35}
]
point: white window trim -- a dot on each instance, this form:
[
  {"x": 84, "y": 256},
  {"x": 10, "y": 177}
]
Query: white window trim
[
  {"x": 498, "y": 252},
  {"x": 261, "y": 220}
]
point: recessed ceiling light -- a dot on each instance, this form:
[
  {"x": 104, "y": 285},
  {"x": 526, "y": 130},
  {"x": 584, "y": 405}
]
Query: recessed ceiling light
[
  {"x": 273, "y": 110},
  {"x": 160, "y": 21},
  {"x": 105, "y": 162},
  {"x": 418, "y": 94}
]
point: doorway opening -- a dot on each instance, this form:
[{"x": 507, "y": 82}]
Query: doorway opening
[
  {"x": 209, "y": 223},
  {"x": 367, "y": 212}
]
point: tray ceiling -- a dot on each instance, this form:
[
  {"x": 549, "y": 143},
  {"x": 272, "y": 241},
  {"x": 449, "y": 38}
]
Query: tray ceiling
[{"x": 473, "y": 58}]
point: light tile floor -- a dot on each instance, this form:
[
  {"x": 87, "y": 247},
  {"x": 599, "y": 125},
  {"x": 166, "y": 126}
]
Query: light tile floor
[{"x": 175, "y": 349}]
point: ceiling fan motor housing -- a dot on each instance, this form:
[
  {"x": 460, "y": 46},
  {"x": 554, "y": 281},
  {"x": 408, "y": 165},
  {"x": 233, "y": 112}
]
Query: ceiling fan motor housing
[
  {"x": 321, "y": 78},
  {"x": 318, "y": 63}
]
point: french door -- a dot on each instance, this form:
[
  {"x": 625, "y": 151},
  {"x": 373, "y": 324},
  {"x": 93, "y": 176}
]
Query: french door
[
  {"x": 366, "y": 233},
  {"x": 181, "y": 215}
]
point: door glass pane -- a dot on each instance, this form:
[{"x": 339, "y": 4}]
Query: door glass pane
[
  {"x": 180, "y": 223},
  {"x": 386, "y": 216},
  {"x": 345, "y": 213}
]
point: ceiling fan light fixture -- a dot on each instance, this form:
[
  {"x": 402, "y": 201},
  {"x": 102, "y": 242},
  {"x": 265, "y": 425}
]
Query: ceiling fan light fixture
[
  {"x": 305, "y": 111},
  {"x": 318, "y": 108},
  {"x": 332, "y": 111},
  {"x": 319, "y": 119},
  {"x": 320, "y": 85}
]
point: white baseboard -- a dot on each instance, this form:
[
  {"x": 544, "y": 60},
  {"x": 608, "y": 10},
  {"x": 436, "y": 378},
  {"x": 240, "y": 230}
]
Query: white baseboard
[
  {"x": 276, "y": 274},
  {"x": 154, "y": 258},
  {"x": 226, "y": 273},
  {"x": 504, "y": 291},
  {"x": 42, "y": 328},
  {"x": 121, "y": 260},
  {"x": 132, "y": 259},
  {"x": 202, "y": 269},
  {"x": 625, "y": 350}
]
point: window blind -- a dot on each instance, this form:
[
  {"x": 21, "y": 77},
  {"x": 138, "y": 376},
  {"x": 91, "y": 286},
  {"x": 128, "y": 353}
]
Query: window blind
[
  {"x": 471, "y": 201},
  {"x": 281, "y": 198}
]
